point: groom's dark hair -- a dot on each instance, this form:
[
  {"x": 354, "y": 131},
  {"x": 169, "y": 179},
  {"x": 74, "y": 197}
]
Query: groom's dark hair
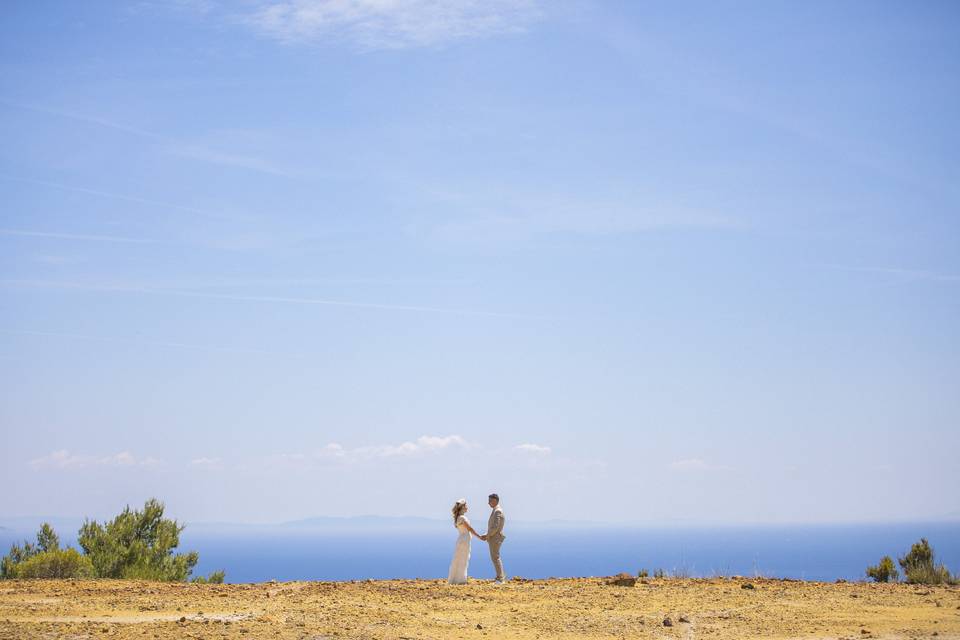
[{"x": 493, "y": 496}]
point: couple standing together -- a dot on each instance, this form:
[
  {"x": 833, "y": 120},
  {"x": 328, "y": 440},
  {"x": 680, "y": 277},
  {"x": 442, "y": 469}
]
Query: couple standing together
[{"x": 493, "y": 537}]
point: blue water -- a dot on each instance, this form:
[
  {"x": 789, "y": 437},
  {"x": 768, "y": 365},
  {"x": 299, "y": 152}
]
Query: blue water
[{"x": 805, "y": 552}]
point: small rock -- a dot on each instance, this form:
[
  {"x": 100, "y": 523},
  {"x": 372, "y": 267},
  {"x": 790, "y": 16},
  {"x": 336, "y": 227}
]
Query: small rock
[
  {"x": 183, "y": 618},
  {"x": 667, "y": 622},
  {"x": 683, "y": 619},
  {"x": 479, "y": 626},
  {"x": 747, "y": 585},
  {"x": 622, "y": 580},
  {"x": 865, "y": 632}
]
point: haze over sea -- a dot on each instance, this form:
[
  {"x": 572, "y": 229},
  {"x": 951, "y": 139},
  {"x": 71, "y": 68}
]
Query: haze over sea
[{"x": 383, "y": 548}]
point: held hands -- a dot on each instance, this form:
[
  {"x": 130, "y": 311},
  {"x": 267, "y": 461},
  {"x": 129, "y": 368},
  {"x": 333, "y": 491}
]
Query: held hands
[{"x": 482, "y": 537}]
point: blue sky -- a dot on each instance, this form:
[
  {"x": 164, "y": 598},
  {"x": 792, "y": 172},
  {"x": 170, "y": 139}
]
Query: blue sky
[{"x": 665, "y": 262}]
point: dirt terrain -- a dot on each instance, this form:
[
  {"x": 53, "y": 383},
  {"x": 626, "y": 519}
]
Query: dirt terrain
[{"x": 570, "y": 608}]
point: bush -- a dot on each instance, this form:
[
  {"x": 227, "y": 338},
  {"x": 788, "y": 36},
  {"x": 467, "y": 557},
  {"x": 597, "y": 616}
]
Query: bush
[
  {"x": 919, "y": 566},
  {"x": 659, "y": 573},
  {"x": 214, "y": 578},
  {"x": 642, "y": 573},
  {"x": 8, "y": 566},
  {"x": 137, "y": 545},
  {"x": 884, "y": 571},
  {"x": 57, "y": 563},
  {"x": 47, "y": 540}
]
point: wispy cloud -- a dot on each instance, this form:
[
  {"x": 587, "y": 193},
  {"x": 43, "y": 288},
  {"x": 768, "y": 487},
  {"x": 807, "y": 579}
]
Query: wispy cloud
[
  {"x": 389, "y": 24},
  {"x": 63, "y": 459},
  {"x": 207, "y": 463},
  {"x": 214, "y": 156},
  {"x": 901, "y": 275},
  {"x": 70, "y": 236},
  {"x": 534, "y": 449},
  {"x": 80, "y": 117},
  {"x": 695, "y": 464},
  {"x": 153, "y": 343},
  {"x": 424, "y": 445},
  {"x": 114, "y": 196},
  {"x": 494, "y": 215},
  {"x": 167, "y": 143},
  {"x": 251, "y": 298}
]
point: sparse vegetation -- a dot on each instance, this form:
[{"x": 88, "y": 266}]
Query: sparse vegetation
[
  {"x": 214, "y": 578},
  {"x": 135, "y": 545},
  {"x": 920, "y": 567},
  {"x": 643, "y": 573},
  {"x": 138, "y": 545},
  {"x": 45, "y": 559},
  {"x": 59, "y": 563},
  {"x": 884, "y": 571},
  {"x": 659, "y": 573}
]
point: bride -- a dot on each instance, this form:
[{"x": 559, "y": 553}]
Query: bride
[{"x": 461, "y": 553}]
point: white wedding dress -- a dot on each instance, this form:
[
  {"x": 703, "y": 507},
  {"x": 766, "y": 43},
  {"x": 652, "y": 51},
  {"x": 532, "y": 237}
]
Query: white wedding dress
[{"x": 461, "y": 554}]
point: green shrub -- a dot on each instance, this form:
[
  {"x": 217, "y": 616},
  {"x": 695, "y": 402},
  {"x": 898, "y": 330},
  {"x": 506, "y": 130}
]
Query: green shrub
[
  {"x": 57, "y": 563},
  {"x": 137, "y": 545},
  {"x": 47, "y": 540},
  {"x": 214, "y": 578},
  {"x": 8, "y": 566},
  {"x": 884, "y": 571},
  {"x": 919, "y": 566}
]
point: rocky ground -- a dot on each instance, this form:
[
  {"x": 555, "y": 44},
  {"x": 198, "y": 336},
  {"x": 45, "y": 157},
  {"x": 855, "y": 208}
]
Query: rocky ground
[{"x": 575, "y": 608}]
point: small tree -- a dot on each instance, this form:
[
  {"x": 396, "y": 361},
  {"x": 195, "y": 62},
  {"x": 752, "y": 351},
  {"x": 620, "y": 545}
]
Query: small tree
[
  {"x": 919, "y": 566},
  {"x": 45, "y": 559},
  {"x": 47, "y": 540},
  {"x": 8, "y": 566},
  {"x": 137, "y": 545},
  {"x": 884, "y": 571}
]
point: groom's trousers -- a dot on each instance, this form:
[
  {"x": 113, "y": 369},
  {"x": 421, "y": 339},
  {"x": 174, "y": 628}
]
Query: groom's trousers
[{"x": 495, "y": 557}]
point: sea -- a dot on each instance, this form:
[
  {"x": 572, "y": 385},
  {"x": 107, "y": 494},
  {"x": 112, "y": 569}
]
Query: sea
[{"x": 382, "y": 548}]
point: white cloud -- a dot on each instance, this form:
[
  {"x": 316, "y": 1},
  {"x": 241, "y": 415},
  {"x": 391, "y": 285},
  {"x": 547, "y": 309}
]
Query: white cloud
[
  {"x": 534, "y": 449},
  {"x": 389, "y": 24},
  {"x": 696, "y": 464},
  {"x": 63, "y": 459},
  {"x": 206, "y": 463},
  {"x": 424, "y": 445}
]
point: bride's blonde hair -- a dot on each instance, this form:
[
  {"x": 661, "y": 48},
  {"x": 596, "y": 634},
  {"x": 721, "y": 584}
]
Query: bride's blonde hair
[{"x": 458, "y": 508}]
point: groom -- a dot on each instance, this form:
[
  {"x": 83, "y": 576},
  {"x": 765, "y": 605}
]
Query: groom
[{"x": 494, "y": 535}]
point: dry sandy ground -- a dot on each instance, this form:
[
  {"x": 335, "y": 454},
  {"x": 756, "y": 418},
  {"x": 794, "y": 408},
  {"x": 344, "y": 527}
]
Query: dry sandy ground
[{"x": 576, "y": 608}]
